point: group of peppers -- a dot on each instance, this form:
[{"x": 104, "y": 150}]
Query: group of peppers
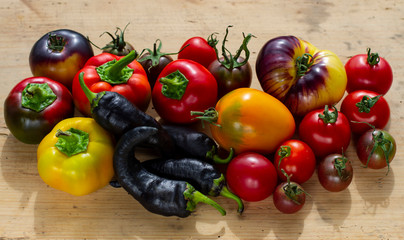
[{"x": 80, "y": 155}]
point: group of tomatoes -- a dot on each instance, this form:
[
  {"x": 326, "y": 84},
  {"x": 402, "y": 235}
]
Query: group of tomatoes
[{"x": 202, "y": 85}]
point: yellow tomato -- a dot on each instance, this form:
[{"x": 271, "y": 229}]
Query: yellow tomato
[
  {"x": 248, "y": 119},
  {"x": 76, "y": 156}
]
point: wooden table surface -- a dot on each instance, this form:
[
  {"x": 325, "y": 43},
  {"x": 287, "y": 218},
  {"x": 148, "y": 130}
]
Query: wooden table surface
[{"x": 372, "y": 207}]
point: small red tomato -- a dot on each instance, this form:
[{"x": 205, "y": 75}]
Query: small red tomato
[
  {"x": 363, "y": 107},
  {"x": 251, "y": 176},
  {"x": 289, "y": 197},
  {"x": 376, "y": 148},
  {"x": 335, "y": 172},
  {"x": 325, "y": 131},
  {"x": 368, "y": 72},
  {"x": 199, "y": 50},
  {"x": 297, "y": 159}
]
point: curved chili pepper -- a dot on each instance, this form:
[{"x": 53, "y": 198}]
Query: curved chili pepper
[
  {"x": 157, "y": 194},
  {"x": 200, "y": 174}
]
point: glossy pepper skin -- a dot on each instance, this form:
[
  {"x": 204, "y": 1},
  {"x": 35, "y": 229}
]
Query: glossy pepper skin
[
  {"x": 73, "y": 163},
  {"x": 157, "y": 194},
  {"x": 108, "y": 72},
  {"x": 48, "y": 102},
  {"x": 303, "y": 77},
  {"x": 59, "y": 54}
]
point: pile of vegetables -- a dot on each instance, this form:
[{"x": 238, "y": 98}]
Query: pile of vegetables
[{"x": 270, "y": 141}]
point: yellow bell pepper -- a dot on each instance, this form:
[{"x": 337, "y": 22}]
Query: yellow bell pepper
[{"x": 76, "y": 156}]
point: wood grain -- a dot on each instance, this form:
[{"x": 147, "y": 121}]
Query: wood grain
[{"x": 370, "y": 209}]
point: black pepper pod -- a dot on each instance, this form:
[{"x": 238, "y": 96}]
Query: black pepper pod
[
  {"x": 195, "y": 144},
  {"x": 157, "y": 194},
  {"x": 117, "y": 115},
  {"x": 202, "y": 175}
]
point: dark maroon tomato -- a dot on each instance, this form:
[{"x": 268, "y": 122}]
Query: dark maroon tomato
[
  {"x": 228, "y": 80},
  {"x": 231, "y": 72},
  {"x": 335, "y": 172},
  {"x": 118, "y": 46},
  {"x": 251, "y": 176},
  {"x": 59, "y": 55},
  {"x": 289, "y": 197},
  {"x": 376, "y": 148},
  {"x": 154, "y": 61},
  {"x": 34, "y": 106},
  {"x": 368, "y": 72}
]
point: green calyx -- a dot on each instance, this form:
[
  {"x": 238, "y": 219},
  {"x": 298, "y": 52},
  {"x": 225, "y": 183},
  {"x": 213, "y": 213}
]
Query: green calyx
[
  {"x": 329, "y": 116},
  {"x": 194, "y": 197},
  {"x": 56, "y": 42},
  {"x": 117, "y": 72},
  {"x": 367, "y": 103},
  {"x": 380, "y": 141},
  {"x": 118, "y": 41},
  {"x": 229, "y": 61},
  {"x": 210, "y": 115},
  {"x": 37, "y": 96},
  {"x": 303, "y": 64},
  {"x": 284, "y": 151},
  {"x": 340, "y": 165},
  {"x": 373, "y": 58},
  {"x": 292, "y": 190},
  {"x": 92, "y": 97},
  {"x": 72, "y": 141},
  {"x": 174, "y": 85}
]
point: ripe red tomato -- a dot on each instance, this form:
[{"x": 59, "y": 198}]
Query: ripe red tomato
[
  {"x": 198, "y": 50},
  {"x": 289, "y": 197},
  {"x": 365, "y": 106},
  {"x": 297, "y": 159},
  {"x": 183, "y": 86},
  {"x": 325, "y": 131},
  {"x": 251, "y": 176},
  {"x": 368, "y": 72},
  {"x": 335, "y": 172},
  {"x": 376, "y": 148}
]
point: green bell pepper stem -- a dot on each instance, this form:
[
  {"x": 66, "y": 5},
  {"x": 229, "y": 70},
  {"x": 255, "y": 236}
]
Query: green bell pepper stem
[
  {"x": 92, "y": 97},
  {"x": 117, "y": 72},
  {"x": 37, "y": 96},
  {"x": 72, "y": 141}
]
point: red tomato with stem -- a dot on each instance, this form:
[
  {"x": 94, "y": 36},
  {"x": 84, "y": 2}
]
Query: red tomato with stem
[
  {"x": 325, "y": 131},
  {"x": 335, "y": 172},
  {"x": 368, "y": 72},
  {"x": 183, "y": 86},
  {"x": 199, "y": 50},
  {"x": 289, "y": 197},
  {"x": 364, "y": 106},
  {"x": 297, "y": 159},
  {"x": 251, "y": 176}
]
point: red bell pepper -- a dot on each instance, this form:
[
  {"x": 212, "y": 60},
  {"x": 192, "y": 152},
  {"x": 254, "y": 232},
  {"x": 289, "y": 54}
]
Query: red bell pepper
[{"x": 109, "y": 72}]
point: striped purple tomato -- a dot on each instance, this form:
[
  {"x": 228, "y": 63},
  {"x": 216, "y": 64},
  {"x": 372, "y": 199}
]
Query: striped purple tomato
[{"x": 303, "y": 77}]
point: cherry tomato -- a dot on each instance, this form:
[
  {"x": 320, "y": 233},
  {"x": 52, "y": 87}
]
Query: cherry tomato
[
  {"x": 364, "y": 106},
  {"x": 335, "y": 172},
  {"x": 199, "y": 50},
  {"x": 289, "y": 197},
  {"x": 183, "y": 86},
  {"x": 118, "y": 46},
  {"x": 251, "y": 176},
  {"x": 247, "y": 119},
  {"x": 368, "y": 72},
  {"x": 325, "y": 131},
  {"x": 59, "y": 55},
  {"x": 297, "y": 159},
  {"x": 376, "y": 148}
]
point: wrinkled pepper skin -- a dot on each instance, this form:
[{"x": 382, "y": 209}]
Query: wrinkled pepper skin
[
  {"x": 322, "y": 83},
  {"x": 30, "y": 126},
  {"x": 84, "y": 172}
]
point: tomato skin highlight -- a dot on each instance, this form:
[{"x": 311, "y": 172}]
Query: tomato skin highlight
[
  {"x": 325, "y": 138},
  {"x": 378, "y": 116},
  {"x": 363, "y": 76},
  {"x": 251, "y": 176},
  {"x": 252, "y": 120},
  {"x": 299, "y": 165},
  {"x": 328, "y": 174}
]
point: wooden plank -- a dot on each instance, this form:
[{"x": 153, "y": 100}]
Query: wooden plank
[{"x": 370, "y": 209}]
